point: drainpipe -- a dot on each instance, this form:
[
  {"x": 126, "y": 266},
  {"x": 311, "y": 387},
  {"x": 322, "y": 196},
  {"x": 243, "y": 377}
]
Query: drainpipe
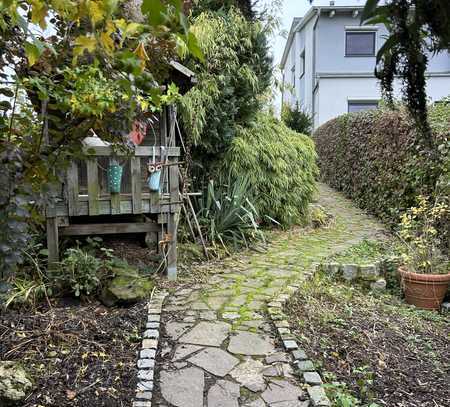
[{"x": 313, "y": 87}]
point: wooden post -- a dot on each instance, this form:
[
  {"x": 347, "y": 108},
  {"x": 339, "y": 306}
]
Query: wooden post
[
  {"x": 92, "y": 180},
  {"x": 72, "y": 189},
  {"x": 136, "y": 187},
  {"x": 52, "y": 241},
  {"x": 172, "y": 227}
]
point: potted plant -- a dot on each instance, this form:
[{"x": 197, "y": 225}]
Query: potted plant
[{"x": 425, "y": 273}]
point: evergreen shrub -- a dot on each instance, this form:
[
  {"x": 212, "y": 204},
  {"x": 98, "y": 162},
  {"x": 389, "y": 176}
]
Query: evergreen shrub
[{"x": 280, "y": 165}]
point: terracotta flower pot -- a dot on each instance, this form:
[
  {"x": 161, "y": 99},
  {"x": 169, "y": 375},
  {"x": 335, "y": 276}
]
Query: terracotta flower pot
[{"x": 425, "y": 291}]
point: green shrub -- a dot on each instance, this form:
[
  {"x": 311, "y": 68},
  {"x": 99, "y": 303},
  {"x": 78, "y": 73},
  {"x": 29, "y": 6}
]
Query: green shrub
[
  {"x": 373, "y": 157},
  {"x": 297, "y": 119},
  {"x": 227, "y": 215},
  {"x": 280, "y": 165},
  {"x": 78, "y": 272}
]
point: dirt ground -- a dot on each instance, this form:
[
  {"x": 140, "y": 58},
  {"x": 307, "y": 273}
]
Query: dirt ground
[
  {"x": 381, "y": 349},
  {"x": 79, "y": 354}
]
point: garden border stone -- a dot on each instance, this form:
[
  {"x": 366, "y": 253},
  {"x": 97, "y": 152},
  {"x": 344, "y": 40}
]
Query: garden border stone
[
  {"x": 304, "y": 367},
  {"x": 147, "y": 353}
]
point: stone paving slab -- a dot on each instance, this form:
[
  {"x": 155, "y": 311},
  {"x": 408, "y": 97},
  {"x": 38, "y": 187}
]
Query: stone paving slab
[{"x": 221, "y": 345}]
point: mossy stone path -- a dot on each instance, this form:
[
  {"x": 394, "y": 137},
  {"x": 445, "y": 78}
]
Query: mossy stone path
[{"x": 219, "y": 348}]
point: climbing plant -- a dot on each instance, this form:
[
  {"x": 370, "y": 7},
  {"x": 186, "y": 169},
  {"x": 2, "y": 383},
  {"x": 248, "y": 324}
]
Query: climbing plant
[{"x": 417, "y": 29}]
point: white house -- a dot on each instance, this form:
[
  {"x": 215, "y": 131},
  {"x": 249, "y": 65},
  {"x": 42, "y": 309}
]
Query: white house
[{"x": 329, "y": 59}]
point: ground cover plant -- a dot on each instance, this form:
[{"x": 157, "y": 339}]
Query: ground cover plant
[{"x": 372, "y": 349}]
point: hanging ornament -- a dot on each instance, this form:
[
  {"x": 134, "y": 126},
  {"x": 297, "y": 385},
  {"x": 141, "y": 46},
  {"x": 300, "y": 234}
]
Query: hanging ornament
[
  {"x": 154, "y": 170},
  {"x": 114, "y": 177}
]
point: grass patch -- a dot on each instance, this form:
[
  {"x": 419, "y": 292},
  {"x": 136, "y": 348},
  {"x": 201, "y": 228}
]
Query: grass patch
[{"x": 366, "y": 251}]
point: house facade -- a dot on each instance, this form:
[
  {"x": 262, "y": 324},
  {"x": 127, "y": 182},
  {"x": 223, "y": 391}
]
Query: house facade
[{"x": 329, "y": 60}]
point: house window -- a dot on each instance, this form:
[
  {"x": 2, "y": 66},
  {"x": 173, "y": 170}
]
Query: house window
[
  {"x": 359, "y": 106},
  {"x": 359, "y": 43},
  {"x": 293, "y": 76},
  {"x": 302, "y": 63}
]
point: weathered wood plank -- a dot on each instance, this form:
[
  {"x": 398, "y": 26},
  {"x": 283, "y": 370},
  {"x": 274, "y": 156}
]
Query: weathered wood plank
[
  {"x": 174, "y": 188},
  {"x": 72, "y": 188},
  {"x": 52, "y": 241},
  {"x": 115, "y": 204},
  {"x": 136, "y": 186},
  {"x": 172, "y": 227},
  {"x": 139, "y": 152},
  {"x": 108, "y": 228},
  {"x": 92, "y": 179}
]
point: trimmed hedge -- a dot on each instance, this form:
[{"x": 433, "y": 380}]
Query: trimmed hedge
[
  {"x": 281, "y": 166},
  {"x": 372, "y": 157}
]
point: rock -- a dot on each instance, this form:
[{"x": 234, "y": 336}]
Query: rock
[
  {"x": 207, "y": 333},
  {"x": 128, "y": 286},
  {"x": 299, "y": 354},
  {"x": 184, "y": 350},
  {"x": 215, "y": 361},
  {"x": 305, "y": 365},
  {"x": 290, "y": 344},
  {"x": 15, "y": 383},
  {"x": 255, "y": 403},
  {"x": 318, "y": 396},
  {"x": 368, "y": 272},
  {"x": 312, "y": 378},
  {"x": 378, "y": 285},
  {"x": 277, "y": 357},
  {"x": 183, "y": 388},
  {"x": 333, "y": 268},
  {"x": 350, "y": 272},
  {"x": 445, "y": 308},
  {"x": 176, "y": 329},
  {"x": 250, "y": 344},
  {"x": 281, "y": 391},
  {"x": 223, "y": 394},
  {"x": 249, "y": 374}
]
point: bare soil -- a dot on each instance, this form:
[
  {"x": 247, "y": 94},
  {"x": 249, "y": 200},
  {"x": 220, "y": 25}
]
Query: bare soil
[
  {"x": 77, "y": 354},
  {"x": 357, "y": 337}
]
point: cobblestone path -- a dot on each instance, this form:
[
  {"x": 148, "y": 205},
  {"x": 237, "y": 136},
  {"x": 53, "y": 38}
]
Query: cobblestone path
[{"x": 218, "y": 346}]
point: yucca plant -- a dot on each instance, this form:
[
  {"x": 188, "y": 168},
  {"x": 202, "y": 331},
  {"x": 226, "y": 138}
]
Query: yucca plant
[{"x": 227, "y": 215}]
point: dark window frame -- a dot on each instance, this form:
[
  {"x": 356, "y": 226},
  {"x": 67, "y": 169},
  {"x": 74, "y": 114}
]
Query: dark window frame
[
  {"x": 353, "y": 32},
  {"x": 302, "y": 64},
  {"x": 363, "y": 103}
]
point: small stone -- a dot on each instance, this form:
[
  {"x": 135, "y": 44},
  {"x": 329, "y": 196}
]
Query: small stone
[
  {"x": 290, "y": 344},
  {"x": 281, "y": 324},
  {"x": 148, "y": 353},
  {"x": 318, "y": 396},
  {"x": 282, "y": 331},
  {"x": 142, "y": 404},
  {"x": 151, "y": 334},
  {"x": 155, "y": 310},
  {"x": 250, "y": 344},
  {"x": 145, "y": 386},
  {"x": 149, "y": 343},
  {"x": 175, "y": 329},
  {"x": 230, "y": 315},
  {"x": 277, "y": 357},
  {"x": 273, "y": 370},
  {"x": 207, "y": 333},
  {"x": 281, "y": 391},
  {"x": 299, "y": 354},
  {"x": 368, "y": 271},
  {"x": 333, "y": 268},
  {"x": 378, "y": 285},
  {"x": 223, "y": 394},
  {"x": 350, "y": 272},
  {"x": 445, "y": 307},
  {"x": 249, "y": 374},
  {"x": 184, "y": 350},
  {"x": 183, "y": 388},
  {"x": 275, "y": 304},
  {"x": 154, "y": 318},
  {"x": 146, "y": 375},
  {"x": 305, "y": 365},
  {"x": 146, "y": 363},
  {"x": 152, "y": 325},
  {"x": 144, "y": 395},
  {"x": 215, "y": 361},
  {"x": 312, "y": 378},
  {"x": 208, "y": 315}
]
